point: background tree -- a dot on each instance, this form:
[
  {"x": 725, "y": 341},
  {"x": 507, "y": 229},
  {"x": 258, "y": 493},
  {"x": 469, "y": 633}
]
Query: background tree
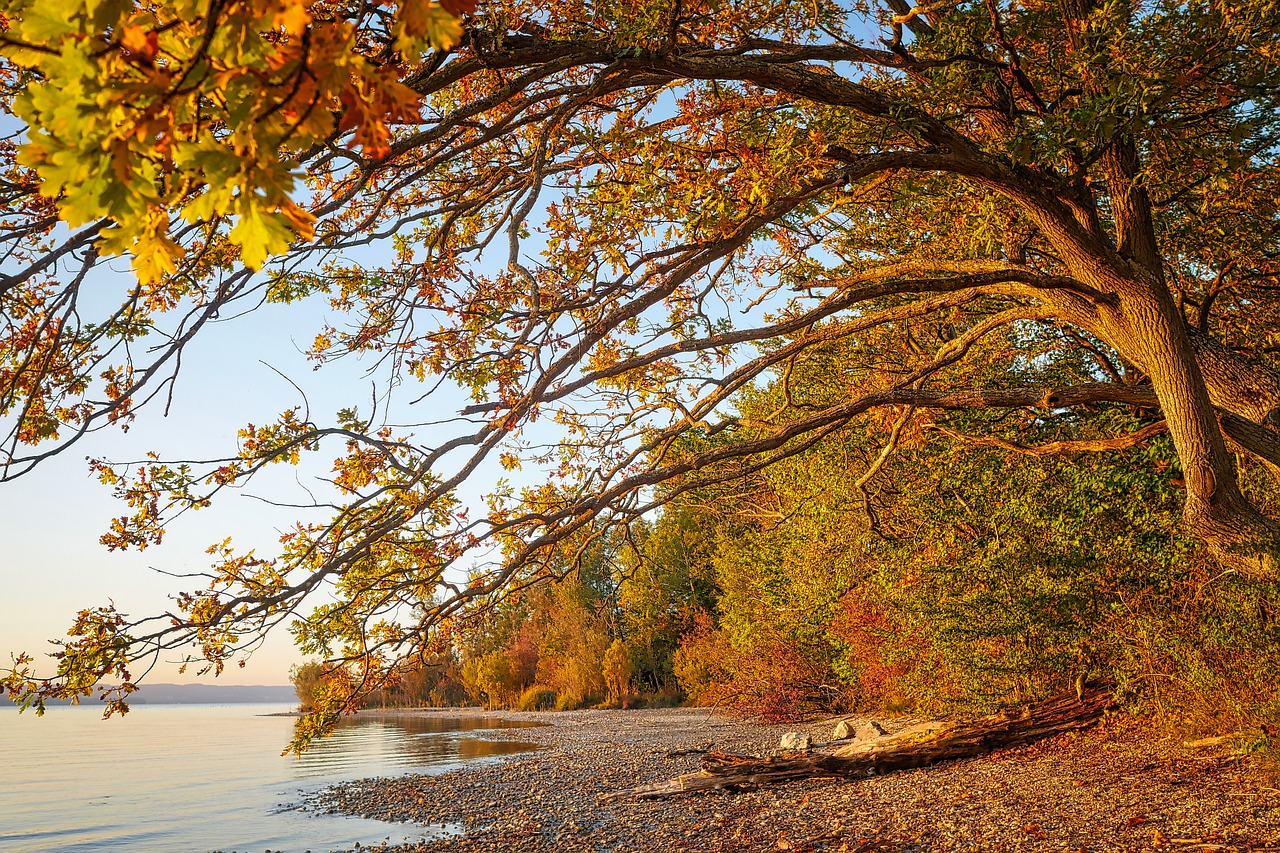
[
  {"x": 687, "y": 198},
  {"x": 307, "y": 679}
]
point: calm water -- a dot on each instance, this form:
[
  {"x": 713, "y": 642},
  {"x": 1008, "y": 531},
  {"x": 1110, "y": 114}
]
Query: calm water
[{"x": 190, "y": 778}]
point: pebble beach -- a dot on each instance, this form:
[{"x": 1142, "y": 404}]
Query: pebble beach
[{"x": 1116, "y": 787}]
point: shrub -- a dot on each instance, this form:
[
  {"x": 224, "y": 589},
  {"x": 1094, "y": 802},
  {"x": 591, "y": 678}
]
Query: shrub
[
  {"x": 492, "y": 679},
  {"x": 865, "y": 636},
  {"x": 668, "y": 697},
  {"x": 1204, "y": 656},
  {"x": 777, "y": 677},
  {"x": 569, "y": 702},
  {"x": 616, "y": 670},
  {"x": 701, "y": 664},
  {"x": 308, "y": 683},
  {"x": 539, "y": 697}
]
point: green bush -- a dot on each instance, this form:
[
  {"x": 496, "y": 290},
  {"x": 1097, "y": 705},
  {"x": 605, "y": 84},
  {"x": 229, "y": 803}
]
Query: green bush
[
  {"x": 569, "y": 702},
  {"x": 539, "y": 697}
]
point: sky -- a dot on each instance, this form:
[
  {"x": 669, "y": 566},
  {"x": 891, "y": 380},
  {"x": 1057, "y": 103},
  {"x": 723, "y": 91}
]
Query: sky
[
  {"x": 53, "y": 565},
  {"x": 51, "y": 562},
  {"x": 236, "y": 371}
]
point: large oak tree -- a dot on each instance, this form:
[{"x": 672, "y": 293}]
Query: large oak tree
[{"x": 615, "y": 217}]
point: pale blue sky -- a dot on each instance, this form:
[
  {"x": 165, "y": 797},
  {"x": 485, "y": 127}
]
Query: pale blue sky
[{"x": 52, "y": 564}]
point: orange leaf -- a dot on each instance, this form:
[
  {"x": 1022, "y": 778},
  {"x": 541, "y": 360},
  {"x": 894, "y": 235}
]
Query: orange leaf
[
  {"x": 120, "y": 160},
  {"x": 458, "y": 8},
  {"x": 140, "y": 42}
]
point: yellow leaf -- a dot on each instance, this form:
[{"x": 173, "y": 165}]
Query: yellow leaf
[
  {"x": 49, "y": 20},
  {"x": 259, "y": 233},
  {"x": 430, "y": 21},
  {"x": 155, "y": 257},
  {"x": 293, "y": 16}
]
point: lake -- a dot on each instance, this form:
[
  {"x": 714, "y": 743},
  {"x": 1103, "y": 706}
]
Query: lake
[{"x": 189, "y": 778}]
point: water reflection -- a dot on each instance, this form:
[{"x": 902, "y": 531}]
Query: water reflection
[
  {"x": 200, "y": 777},
  {"x": 398, "y": 740}
]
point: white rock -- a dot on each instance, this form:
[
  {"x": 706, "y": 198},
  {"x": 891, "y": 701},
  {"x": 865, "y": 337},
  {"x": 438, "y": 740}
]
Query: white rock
[
  {"x": 871, "y": 730},
  {"x": 796, "y": 741}
]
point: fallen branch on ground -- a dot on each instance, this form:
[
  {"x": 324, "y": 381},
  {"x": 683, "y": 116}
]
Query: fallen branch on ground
[{"x": 918, "y": 746}]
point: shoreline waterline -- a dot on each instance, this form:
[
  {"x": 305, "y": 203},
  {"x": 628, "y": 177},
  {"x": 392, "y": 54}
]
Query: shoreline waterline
[
  {"x": 1118, "y": 786},
  {"x": 196, "y": 777}
]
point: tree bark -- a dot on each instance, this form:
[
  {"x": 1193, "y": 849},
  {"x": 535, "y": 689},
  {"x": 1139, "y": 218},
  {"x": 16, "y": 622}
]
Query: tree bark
[
  {"x": 1151, "y": 331},
  {"x": 1069, "y": 712},
  {"x": 1237, "y": 385}
]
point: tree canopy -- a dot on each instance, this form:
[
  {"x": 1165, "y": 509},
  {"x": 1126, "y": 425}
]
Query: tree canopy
[{"x": 695, "y": 240}]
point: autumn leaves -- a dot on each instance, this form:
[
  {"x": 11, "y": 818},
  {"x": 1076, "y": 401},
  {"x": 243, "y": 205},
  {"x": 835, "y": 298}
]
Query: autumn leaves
[{"x": 204, "y": 109}]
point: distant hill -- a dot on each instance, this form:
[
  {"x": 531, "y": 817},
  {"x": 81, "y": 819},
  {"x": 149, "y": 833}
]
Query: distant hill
[
  {"x": 206, "y": 694},
  {"x": 187, "y": 694}
]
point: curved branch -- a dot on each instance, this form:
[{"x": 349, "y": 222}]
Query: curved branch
[{"x": 1057, "y": 448}]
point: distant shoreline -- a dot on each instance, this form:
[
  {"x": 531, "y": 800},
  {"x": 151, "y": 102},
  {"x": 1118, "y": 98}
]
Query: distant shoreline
[{"x": 198, "y": 694}]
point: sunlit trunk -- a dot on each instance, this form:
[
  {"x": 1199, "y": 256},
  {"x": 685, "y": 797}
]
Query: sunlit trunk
[{"x": 1149, "y": 329}]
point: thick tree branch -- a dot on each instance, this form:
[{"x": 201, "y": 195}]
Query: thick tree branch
[
  {"x": 914, "y": 17},
  {"x": 1057, "y": 448}
]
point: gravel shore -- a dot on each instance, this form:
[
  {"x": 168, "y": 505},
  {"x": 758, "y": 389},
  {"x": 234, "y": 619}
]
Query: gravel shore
[{"x": 1116, "y": 787}]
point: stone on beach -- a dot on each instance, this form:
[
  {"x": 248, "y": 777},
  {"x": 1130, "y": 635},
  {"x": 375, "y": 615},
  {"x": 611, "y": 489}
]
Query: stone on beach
[
  {"x": 871, "y": 731},
  {"x": 846, "y": 729},
  {"x": 796, "y": 741}
]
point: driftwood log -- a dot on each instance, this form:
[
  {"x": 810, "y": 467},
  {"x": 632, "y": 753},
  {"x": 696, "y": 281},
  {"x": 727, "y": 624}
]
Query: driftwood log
[{"x": 918, "y": 746}]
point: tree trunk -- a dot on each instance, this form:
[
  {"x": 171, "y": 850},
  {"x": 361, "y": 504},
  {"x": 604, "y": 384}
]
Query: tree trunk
[
  {"x": 1155, "y": 335},
  {"x": 914, "y": 748},
  {"x": 1193, "y": 376}
]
